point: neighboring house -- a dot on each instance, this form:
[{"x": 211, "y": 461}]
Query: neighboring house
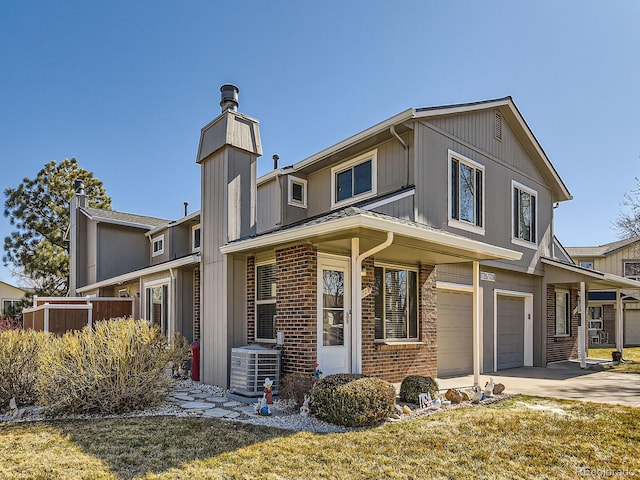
[
  {"x": 10, "y": 298},
  {"x": 421, "y": 245},
  {"x": 155, "y": 261},
  {"x": 620, "y": 258}
]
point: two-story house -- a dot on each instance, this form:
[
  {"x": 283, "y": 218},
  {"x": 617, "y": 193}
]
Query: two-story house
[
  {"x": 153, "y": 260},
  {"x": 620, "y": 258},
  {"x": 421, "y": 245}
]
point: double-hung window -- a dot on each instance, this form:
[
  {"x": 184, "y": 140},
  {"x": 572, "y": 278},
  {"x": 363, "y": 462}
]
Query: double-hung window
[
  {"x": 563, "y": 314},
  {"x": 396, "y": 303},
  {"x": 266, "y": 301},
  {"x": 195, "y": 238},
  {"x": 632, "y": 269},
  {"x": 466, "y": 193},
  {"x": 354, "y": 180},
  {"x": 524, "y": 215}
]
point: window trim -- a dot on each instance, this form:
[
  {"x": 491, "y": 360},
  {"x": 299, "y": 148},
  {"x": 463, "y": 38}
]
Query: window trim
[
  {"x": 408, "y": 339},
  {"x": 350, "y": 164},
  {"x": 154, "y": 240},
  {"x": 624, "y": 266},
  {"x": 193, "y": 238},
  {"x": 303, "y": 183},
  {"x": 567, "y": 312},
  {"x": 514, "y": 239},
  {"x": 462, "y": 224},
  {"x": 588, "y": 265},
  {"x": 263, "y": 302}
]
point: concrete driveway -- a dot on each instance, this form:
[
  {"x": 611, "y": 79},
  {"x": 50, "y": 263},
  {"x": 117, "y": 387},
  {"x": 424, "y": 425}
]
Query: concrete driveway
[{"x": 561, "y": 380}]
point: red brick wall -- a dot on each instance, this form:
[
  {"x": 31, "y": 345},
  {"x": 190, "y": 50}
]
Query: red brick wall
[
  {"x": 394, "y": 362},
  {"x": 296, "y": 317},
  {"x": 296, "y": 306},
  {"x": 609, "y": 322},
  {"x": 561, "y": 348}
]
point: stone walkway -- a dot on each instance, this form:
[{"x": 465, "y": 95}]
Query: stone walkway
[{"x": 203, "y": 403}]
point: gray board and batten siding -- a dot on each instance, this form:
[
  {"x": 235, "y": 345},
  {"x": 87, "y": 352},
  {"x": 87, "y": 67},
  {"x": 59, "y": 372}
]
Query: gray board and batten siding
[
  {"x": 121, "y": 249},
  {"x": 432, "y": 144}
]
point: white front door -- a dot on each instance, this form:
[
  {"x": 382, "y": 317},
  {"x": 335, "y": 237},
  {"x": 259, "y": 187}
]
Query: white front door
[{"x": 334, "y": 315}]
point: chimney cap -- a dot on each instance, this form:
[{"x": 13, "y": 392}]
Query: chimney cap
[
  {"x": 229, "y": 97},
  {"x": 78, "y": 186}
]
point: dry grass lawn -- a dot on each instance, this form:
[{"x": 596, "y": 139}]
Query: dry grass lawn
[
  {"x": 522, "y": 437},
  {"x": 630, "y": 355}
]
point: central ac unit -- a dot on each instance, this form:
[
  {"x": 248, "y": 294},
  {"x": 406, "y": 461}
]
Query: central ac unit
[{"x": 250, "y": 366}]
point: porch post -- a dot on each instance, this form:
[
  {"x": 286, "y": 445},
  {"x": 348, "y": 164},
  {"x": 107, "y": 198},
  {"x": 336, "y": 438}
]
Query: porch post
[
  {"x": 477, "y": 321},
  {"x": 582, "y": 329},
  {"x": 356, "y": 307},
  {"x": 619, "y": 322}
]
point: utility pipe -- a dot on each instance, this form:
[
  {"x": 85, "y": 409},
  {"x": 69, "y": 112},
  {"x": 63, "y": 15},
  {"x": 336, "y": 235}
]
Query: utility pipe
[{"x": 356, "y": 297}]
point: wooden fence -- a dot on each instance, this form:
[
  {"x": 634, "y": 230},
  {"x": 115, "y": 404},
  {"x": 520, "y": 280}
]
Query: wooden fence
[{"x": 59, "y": 315}]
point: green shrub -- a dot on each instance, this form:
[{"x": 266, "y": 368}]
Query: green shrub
[
  {"x": 19, "y": 366},
  {"x": 114, "y": 367},
  {"x": 353, "y": 400},
  {"x": 413, "y": 385},
  {"x": 294, "y": 386}
]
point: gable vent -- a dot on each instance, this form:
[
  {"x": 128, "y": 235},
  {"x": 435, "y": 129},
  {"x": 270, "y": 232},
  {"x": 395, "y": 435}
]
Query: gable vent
[{"x": 497, "y": 126}]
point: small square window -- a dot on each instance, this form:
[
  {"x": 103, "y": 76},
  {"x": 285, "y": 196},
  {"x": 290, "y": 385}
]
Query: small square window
[
  {"x": 158, "y": 246},
  {"x": 297, "y": 192}
]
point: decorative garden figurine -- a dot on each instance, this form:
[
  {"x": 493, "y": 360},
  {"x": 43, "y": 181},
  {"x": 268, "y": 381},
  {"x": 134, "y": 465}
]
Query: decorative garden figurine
[
  {"x": 268, "y": 395},
  {"x": 258, "y": 406},
  {"x": 304, "y": 409},
  {"x": 317, "y": 373},
  {"x": 488, "y": 388},
  {"x": 477, "y": 394}
]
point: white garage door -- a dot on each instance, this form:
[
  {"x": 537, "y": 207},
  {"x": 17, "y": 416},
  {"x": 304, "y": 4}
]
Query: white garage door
[
  {"x": 455, "y": 333},
  {"x": 510, "y": 332},
  {"x": 632, "y": 327}
]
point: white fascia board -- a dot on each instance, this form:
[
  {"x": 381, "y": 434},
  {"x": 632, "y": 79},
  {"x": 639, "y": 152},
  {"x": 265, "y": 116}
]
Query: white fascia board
[
  {"x": 374, "y": 223},
  {"x": 614, "y": 280},
  {"x": 384, "y": 125},
  {"x": 180, "y": 262}
]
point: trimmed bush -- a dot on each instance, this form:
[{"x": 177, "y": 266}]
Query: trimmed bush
[
  {"x": 294, "y": 386},
  {"x": 413, "y": 385},
  {"x": 353, "y": 400},
  {"x": 19, "y": 365},
  {"x": 115, "y": 367}
]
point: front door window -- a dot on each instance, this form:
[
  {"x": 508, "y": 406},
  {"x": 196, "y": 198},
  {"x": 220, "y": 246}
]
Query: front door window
[{"x": 333, "y": 314}]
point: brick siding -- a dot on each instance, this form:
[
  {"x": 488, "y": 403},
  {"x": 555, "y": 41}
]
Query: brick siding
[
  {"x": 394, "y": 362},
  {"x": 196, "y": 304},
  {"x": 561, "y": 348}
]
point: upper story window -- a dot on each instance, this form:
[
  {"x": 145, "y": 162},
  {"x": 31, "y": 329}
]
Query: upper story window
[
  {"x": 297, "y": 192},
  {"x": 158, "y": 245},
  {"x": 195, "y": 238},
  {"x": 632, "y": 269},
  {"x": 396, "y": 303},
  {"x": 524, "y": 215},
  {"x": 466, "y": 193},
  {"x": 266, "y": 301},
  {"x": 354, "y": 180},
  {"x": 588, "y": 265}
]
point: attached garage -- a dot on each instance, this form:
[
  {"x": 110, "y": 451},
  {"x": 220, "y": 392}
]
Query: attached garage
[
  {"x": 632, "y": 327},
  {"x": 510, "y": 331},
  {"x": 455, "y": 333}
]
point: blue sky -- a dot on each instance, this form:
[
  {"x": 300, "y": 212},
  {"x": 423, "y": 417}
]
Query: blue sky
[{"x": 125, "y": 86}]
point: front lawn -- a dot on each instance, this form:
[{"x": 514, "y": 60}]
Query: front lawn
[
  {"x": 521, "y": 437},
  {"x": 630, "y": 355}
]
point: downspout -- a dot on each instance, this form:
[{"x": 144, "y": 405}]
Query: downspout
[
  {"x": 356, "y": 297},
  {"x": 582, "y": 329},
  {"x": 392, "y": 129}
]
